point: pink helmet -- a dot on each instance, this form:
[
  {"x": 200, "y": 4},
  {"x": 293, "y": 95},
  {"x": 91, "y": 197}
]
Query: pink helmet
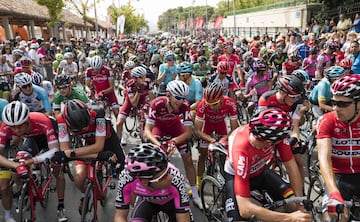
[{"x": 348, "y": 86}]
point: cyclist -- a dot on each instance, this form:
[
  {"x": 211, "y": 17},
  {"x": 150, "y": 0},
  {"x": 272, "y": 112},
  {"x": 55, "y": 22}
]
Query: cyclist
[
  {"x": 167, "y": 71},
  {"x": 138, "y": 94},
  {"x": 39, "y": 132},
  {"x": 35, "y": 97},
  {"x": 325, "y": 59},
  {"x": 346, "y": 63},
  {"x": 245, "y": 168},
  {"x": 223, "y": 79},
  {"x": 126, "y": 75},
  {"x": 202, "y": 70},
  {"x": 66, "y": 92},
  {"x": 38, "y": 79},
  {"x": 158, "y": 184},
  {"x": 337, "y": 137},
  {"x": 210, "y": 118},
  {"x": 194, "y": 97},
  {"x": 98, "y": 133},
  {"x": 102, "y": 79},
  {"x": 68, "y": 66},
  {"x": 164, "y": 120}
]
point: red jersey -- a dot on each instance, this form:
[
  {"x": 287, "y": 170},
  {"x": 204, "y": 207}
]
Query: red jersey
[
  {"x": 268, "y": 99},
  {"x": 244, "y": 161},
  {"x": 132, "y": 88},
  {"x": 40, "y": 125},
  {"x": 215, "y": 120},
  {"x": 290, "y": 67},
  {"x": 100, "y": 80},
  {"x": 161, "y": 118},
  {"x": 345, "y": 139},
  {"x": 233, "y": 61},
  {"x": 98, "y": 127},
  {"x": 126, "y": 76}
]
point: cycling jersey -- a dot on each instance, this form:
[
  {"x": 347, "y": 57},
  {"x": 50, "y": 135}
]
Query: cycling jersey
[
  {"x": 304, "y": 51},
  {"x": 226, "y": 82},
  {"x": 324, "y": 61},
  {"x": 214, "y": 120},
  {"x": 345, "y": 142},
  {"x": 277, "y": 60},
  {"x": 170, "y": 73},
  {"x": 195, "y": 91},
  {"x": 261, "y": 85},
  {"x": 126, "y": 76},
  {"x": 68, "y": 69},
  {"x": 289, "y": 67},
  {"x": 37, "y": 101},
  {"x": 128, "y": 186},
  {"x": 245, "y": 161},
  {"x": 48, "y": 87},
  {"x": 40, "y": 125},
  {"x": 234, "y": 62},
  {"x": 311, "y": 63},
  {"x": 201, "y": 71},
  {"x": 322, "y": 91},
  {"x": 76, "y": 93}
]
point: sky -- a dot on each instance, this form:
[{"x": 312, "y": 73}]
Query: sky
[{"x": 152, "y": 8}]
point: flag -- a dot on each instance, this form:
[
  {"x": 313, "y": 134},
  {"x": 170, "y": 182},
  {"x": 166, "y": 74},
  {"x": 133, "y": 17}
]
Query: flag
[
  {"x": 120, "y": 23},
  {"x": 218, "y": 22},
  {"x": 199, "y": 22}
]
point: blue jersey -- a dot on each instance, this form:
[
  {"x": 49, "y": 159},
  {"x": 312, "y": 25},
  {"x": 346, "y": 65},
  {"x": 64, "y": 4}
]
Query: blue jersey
[
  {"x": 170, "y": 73},
  {"x": 322, "y": 91},
  {"x": 37, "y": 101},
  {"x": 356, "y": 63},
  {"x": 3, "y": 103},
  {"x": 195, "y": 91},
  {"x": 303, "y": 51}
]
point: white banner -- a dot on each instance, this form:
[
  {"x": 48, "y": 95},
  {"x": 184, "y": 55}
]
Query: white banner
[{"x": 120, "y": 23}]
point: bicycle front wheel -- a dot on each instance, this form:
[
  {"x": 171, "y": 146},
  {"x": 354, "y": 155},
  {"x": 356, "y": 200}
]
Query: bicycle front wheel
[
  {"x": 45, "y": 172},
  {"x": 24, "y": 204},
  {"x": 213, "y": 199},
  {"x": 88, "y": 213}
]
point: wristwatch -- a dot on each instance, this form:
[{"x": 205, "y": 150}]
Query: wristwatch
[{"x": 72, "y": 154}]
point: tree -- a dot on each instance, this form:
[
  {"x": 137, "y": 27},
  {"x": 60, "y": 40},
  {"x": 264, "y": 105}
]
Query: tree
[
  {"x": 82, "y": 7},
  {"x": 54, "y": 9},
  {"x": 134, "y": 23}
]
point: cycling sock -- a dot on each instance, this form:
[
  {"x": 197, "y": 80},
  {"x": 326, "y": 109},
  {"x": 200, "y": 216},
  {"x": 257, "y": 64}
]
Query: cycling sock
[
  {"x": 60, "y": 203},
  {"x": 194, "y": 190}
]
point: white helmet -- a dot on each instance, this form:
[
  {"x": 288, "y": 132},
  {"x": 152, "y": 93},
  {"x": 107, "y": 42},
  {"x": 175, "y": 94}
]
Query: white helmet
[
  {"x": 15, "y": 113},
  {"x": 22, "y": 79},
  {"x": 178, "y": 88},
  {"x": 138, "y": 72},
  {"x": 68, "y": 55},
  {"x": 96, "y": 62},
  {"x": 129, "y": 64}
]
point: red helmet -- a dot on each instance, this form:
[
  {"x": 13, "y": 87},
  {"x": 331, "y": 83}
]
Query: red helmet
[
  {"x": 115, "y": 50},
  {"x": 213, "y": 92},
  {"x": 25, "y": 62},
  {"x": 223, "y": 67},
  {"x": 348, "y": 86},
  {"x": 346, "y": 63}
]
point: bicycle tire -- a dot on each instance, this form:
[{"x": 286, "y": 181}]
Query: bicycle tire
[
  {"x": 130, "y": 121},
  {"x": 102, "y": 176},
  {"x": 24, "y": 204},
  {"x": 213, "y": 199},
  {"x": 243, "y": 114},
  {"x": 45, "y": 172},
  {"x": 315, "y": 192},
  {"x": 88, "y": 210}
]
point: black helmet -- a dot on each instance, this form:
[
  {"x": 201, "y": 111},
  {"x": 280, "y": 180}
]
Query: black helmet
[
  {"x": 62, "y": 79},
  {"x": 291, "y": 85},
  {"x": 76, "y": 114},
  {"x": 145, "y": 160}
]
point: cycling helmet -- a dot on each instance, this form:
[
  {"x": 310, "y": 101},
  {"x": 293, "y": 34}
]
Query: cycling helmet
[
  {"x": 169, "y": 54},
  {"x": 129, "y": 64},
  {"x": 301, "y": 74},
  {"x": 223, "y": 67},
  {"x": 22, "y": 79},
  {"x": 138, "y": 72},
  {"x": 117, "y": 58},
  {"x": 334, "y": 72},
  {"x": 247, "y": 56},
  {"x": 185, "y": 67},
  {"x": 177, "y": 88},
  {"x": 76, "y": 114},
  {"x": 37, "y": 78},
  {"x": 291, "y": 85},
  {"x": 15, "y": 113},
  {"x": 216, "y": 50},
  {"x": 202, "y": 60},
  {"x": 271, "y": 124},
  {"x": 348, "y": 86},
  {"x": 59, "y": 57},
  {"x": 346, "y": 63},
  {"x": 24, "y": 61},
  {"x": 62, "y": 79},
  {"x": 133, "y": 58},
  {"x": 260, "y": 65},
  {"x": 68, "y": 55},
  {"x": 213, "y": 92},
  {"x": 81, "y": 56},
  {"x": 18, "y": 52},
  {"x": 96, "y": 62},
  {"x": 146, "y": 160}
]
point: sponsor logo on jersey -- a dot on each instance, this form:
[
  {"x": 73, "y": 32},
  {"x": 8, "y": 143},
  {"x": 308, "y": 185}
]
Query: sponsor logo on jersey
[
  {"x": 100, "y": 125},
  {"x": 62, "y": 131},
  {"x": 125, "y": 178},
  {"x": 241, "y": 167},
  {"x": 345, "y": 142}
]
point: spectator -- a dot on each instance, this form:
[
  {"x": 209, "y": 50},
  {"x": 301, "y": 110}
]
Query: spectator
[
  {"x": 344, "y": 24},
  {"x": 355, "y": 56},
  {"x": 315, "y": 27},
  {"x": 356, "y": 24}
]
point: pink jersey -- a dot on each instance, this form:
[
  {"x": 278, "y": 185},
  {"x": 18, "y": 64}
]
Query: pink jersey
[
  {"x": 345, "y": 141},
  {"x": 100, "y": 80},
  {"x": 126, "y": 76},
  {"x": 244, "y": 161},
  {"x": 215, "y": 120},
  {"x": 40, "y": 125},
  {"x": 128, "y": 186},
  {"x": 311, "y": 63},
  {"x": 132, "y": 88},
  {"x": 261, "y": 85}
]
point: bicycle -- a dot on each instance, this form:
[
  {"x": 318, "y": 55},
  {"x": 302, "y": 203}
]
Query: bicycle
[
  {"x": 35, "y": 188},
  {"x": 354, "y": 209},
  {"x": 98, "y": 180},
  {"x": 102, "y": 103},
  {"x": 135, "y": 122}
]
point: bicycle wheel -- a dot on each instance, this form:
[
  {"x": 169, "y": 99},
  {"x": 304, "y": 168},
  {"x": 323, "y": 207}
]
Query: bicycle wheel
[
  {"x": 130, "y": 122},
  {"x": 88, "y": 211},
  {"x": 45, "y": 172},
  {"x": 213, "y": 199},
  {"x": 243, "y": 114},
  {"x": 24, "y": 204},
  {"x": 103, "y": 174},
  {"x": 315, "y": 193}
]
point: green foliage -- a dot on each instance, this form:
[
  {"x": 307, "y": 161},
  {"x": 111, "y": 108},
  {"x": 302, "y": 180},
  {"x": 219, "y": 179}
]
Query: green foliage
[
  {"x": 134, "y": 22},
  {"x": 82, "y": 7},
  {"x": 54, "y": 9}
]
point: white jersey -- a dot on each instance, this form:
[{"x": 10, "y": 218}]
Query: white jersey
[
  {"x": 68, "y": 69},
  {"x": 48, "y": 87}
]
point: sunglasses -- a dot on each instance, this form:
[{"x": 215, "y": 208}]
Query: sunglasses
[
  {"x": 214, "y": 103},
  {"x": 162, "y": 176},
  {"x": 26, "y": 86},
  {"x": 297, "y": 97},
  {"x": 341, "y": 104},
  {"x": 170, "y": 59},
  {"x": 183, "y": 74},
  {"x": 62, "y": 87},
  {"x": 179, "y": 98}
]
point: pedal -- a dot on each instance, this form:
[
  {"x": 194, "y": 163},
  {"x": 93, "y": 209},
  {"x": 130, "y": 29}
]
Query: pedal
[{"x": 112, "y": 185}]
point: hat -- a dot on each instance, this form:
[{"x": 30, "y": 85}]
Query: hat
[
  {"x": 34, "y": 46},
  {"x": 23, "y": 43}
]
